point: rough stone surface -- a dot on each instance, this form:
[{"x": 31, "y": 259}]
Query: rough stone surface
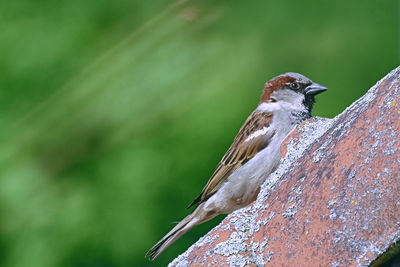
[{"x": 333, "y": 201}]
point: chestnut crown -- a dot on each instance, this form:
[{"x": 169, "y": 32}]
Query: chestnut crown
[{"x": 295, "y": 82}]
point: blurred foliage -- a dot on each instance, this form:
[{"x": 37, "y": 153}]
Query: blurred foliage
[{"x": 114, "y": 113}]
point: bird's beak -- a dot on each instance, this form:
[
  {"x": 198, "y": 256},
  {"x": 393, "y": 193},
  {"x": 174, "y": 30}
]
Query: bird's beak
[{"x": 315, "y": 89}]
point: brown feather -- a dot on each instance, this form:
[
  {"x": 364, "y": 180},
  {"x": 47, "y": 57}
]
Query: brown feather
[
  {"x": 276, "y": 83},
  {"x": 239, "y": 153}
]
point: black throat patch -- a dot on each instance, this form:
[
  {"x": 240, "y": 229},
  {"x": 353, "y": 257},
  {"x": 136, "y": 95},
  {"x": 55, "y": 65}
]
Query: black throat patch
[{"x": 308, "y": 102}]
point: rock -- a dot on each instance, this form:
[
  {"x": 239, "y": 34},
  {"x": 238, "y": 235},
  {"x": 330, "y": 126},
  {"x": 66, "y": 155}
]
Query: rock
[{"x": 333, "y": 201}]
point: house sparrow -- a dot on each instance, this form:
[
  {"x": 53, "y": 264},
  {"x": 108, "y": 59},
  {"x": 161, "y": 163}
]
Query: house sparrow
[{"x": 286, "y": 101}]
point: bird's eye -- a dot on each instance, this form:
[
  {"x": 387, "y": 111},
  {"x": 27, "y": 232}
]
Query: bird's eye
[{"x": 294, "y": 85}]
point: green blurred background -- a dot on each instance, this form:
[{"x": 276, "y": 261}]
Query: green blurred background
[{"x": 115, "y": 113}]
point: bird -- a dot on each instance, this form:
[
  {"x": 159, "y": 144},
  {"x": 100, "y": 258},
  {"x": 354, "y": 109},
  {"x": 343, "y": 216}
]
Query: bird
[{"x": 286, "y": 101}]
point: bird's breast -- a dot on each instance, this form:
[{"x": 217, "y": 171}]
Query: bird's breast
[{"x": 242, "y": 185}]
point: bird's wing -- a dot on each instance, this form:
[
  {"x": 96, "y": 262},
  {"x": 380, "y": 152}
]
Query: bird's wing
[{"x": 254, "y": 135}]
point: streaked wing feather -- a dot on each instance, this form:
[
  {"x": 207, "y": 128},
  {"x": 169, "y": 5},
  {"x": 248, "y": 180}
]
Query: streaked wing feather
[{"x": 239, "y": 153}]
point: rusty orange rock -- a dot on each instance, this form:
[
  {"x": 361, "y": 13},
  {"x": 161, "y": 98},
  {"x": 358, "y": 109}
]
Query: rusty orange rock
[{"x": 334, "y": 200}]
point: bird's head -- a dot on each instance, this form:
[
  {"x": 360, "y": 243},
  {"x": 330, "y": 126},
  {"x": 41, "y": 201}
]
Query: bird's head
[{"x": 293, "y": 88}]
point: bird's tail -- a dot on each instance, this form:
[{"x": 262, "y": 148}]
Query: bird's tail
[{"x": 198, "y": 216}]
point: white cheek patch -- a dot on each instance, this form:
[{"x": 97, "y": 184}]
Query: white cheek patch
[
  {"x": 268, "y": 107},
  {"x": 257, "y": 133}
]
